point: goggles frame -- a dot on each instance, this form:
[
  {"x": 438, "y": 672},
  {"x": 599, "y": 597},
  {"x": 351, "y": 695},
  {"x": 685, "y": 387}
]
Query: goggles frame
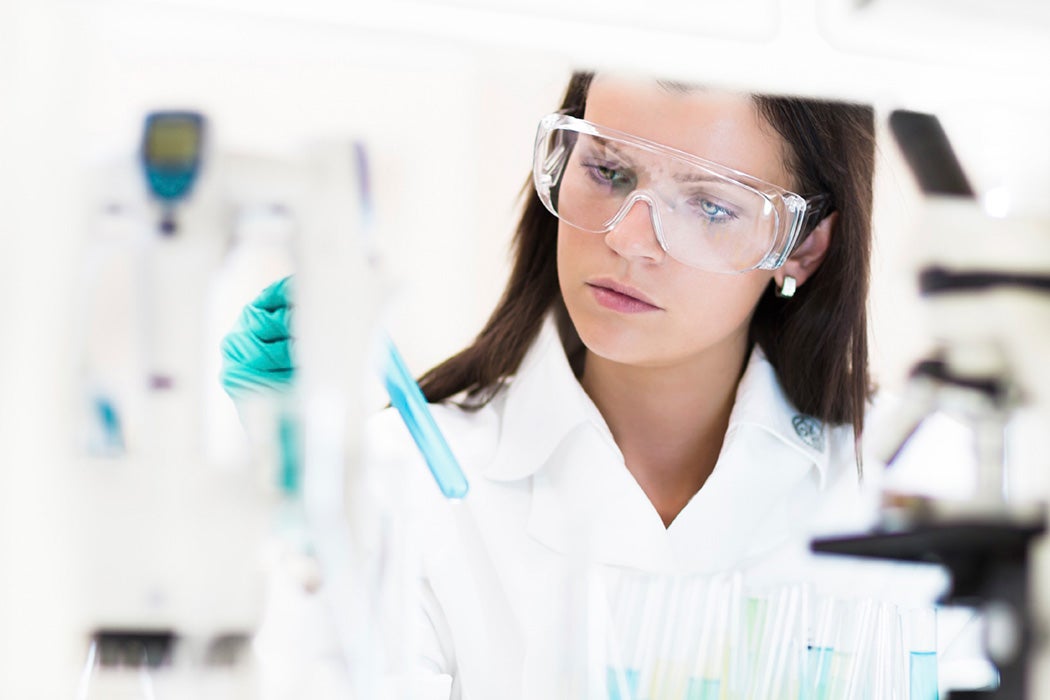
[{"x": 794, "y": 215}]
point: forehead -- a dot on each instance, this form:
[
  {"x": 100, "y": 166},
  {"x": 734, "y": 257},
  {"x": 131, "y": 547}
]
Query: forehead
[{"x": 719, "y": 126}]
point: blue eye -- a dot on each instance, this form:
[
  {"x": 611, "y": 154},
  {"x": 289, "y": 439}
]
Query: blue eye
[{"x": 715, "y": 213}]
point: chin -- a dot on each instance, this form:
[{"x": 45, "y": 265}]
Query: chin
[{"x": 614, "y": 342}]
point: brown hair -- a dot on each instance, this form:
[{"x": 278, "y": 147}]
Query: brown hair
[{"x": 816, "y": 341}]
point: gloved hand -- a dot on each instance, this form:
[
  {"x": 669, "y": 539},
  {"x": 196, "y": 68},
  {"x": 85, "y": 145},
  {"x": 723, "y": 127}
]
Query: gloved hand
[{"x": 256, "y": 354}]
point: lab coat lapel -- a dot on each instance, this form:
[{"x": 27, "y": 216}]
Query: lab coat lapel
[
  {"x": 586, "y": 504},
  {"x": 769, "y": 473},
  {"x": 727, "y": 521},
  {"x": 762, "y": 404},
  {"x": 771, "y": 468},
  {"x": 542, "y": 404},
  {"x": 585, "y": 509},
  {"x": 584, "y": 501}
]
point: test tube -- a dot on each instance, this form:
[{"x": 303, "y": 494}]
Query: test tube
[
  {"x": 756, "y": 627},
  {"x": 643, "y": 660},
  {"x": 621, "y": 589},
  {"x": 819, "y": 650},
  {"x": 763, "y": 609},
  {"x": 788, "y": 675},
  {"x": 888, "y": 662},
  {"x": 860, "y": 665},
  {"x": 737, "y": 642},
  {"x": 851, "y": 616},
  {"x": 661, "y": 599},
  {"x": 689, "y": 623},
  {"x": 616, "y": 683},
  {"x": 411, "y": 404},
  {"x": 921, "y": 628},
  {"x": 771, "y": 668},
  {"x": 686, "y": 622},
  {"x": 704, "y": 681}
]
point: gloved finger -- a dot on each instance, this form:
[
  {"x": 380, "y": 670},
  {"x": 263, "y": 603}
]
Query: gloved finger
[
  {"x": 251, "y": 353},
  {"x": 239, "y": 381},
  {"x": 277, "y": 296},
  {"x": 267, "y": 325}
]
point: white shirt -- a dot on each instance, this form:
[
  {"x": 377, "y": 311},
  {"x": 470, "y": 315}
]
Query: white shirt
[{"x": 549, "y": 489}]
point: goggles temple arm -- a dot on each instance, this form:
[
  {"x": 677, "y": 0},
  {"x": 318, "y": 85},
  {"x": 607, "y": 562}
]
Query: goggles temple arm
[{"x": 817, "y": 207}]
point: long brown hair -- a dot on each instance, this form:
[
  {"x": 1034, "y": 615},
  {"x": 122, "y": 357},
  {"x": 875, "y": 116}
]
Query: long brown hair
[{"x": 816, "y": 341}]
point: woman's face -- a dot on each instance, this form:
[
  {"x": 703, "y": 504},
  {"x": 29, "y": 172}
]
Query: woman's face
[{"x": 630, "y": 302}]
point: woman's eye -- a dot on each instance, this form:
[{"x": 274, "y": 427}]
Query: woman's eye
[
  {"x": 608, "y": 175},
  {"x": 715, "y": 212}
]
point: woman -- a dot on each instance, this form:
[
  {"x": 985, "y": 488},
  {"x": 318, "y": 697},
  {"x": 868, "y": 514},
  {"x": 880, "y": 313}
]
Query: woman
[{"x": 676, "y": 372}]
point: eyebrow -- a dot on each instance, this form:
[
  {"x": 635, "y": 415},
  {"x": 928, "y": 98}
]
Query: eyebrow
[
  {"x": 700, "y": 177},
  {"x": 676, "y": 87},
  {"x": 612, "y": 146},
  {"x": 687, "y": 178}
]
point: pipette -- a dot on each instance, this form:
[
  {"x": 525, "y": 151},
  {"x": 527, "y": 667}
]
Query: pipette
[{"x": 405, "y": 394}]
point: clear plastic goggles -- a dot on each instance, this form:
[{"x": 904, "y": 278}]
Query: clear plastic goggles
[{"x": 704, "y": 215}]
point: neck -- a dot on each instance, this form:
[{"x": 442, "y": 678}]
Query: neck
[{"x": 669, "y": 422}]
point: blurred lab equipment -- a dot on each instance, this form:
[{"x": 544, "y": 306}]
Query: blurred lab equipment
[
  {"x": 984, "y": 283},
  {"x": 177, "y": 543},
  {"x": 171, "y": 537},
  {"x": 359, "y": 568},
  {"x": 171, "y": 153},
  {"x": 402, "y": 389},
  {"x": 356, "y": 513}
]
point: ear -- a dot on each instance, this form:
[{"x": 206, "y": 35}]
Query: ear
[{"x": 805, "y": 259}]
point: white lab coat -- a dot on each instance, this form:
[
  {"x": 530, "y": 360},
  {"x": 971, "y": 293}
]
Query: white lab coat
[{"x": 549, "y": 489}]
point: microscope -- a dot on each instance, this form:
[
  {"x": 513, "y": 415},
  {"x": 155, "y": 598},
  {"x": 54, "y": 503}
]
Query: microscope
[{"x": 985, "y": 287}]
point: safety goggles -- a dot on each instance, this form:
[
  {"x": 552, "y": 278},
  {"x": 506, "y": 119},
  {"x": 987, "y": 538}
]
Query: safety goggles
[{"x": 704, "y": 215}]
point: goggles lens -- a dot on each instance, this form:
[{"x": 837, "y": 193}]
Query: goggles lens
[{"x": 703, "y": 214}]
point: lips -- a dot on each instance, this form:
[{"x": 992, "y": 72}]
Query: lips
[{"x": 621, "y": 297}]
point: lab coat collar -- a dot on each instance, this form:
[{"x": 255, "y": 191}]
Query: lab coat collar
[
  {"x": 761, "y": 402},
  {"x": 544, "y": 403},
  {"x": 585, "y": 500}
]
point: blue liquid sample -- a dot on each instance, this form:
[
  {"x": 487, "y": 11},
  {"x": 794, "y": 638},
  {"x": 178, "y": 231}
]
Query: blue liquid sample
[
  {"x": 290, "y": 478},
  {"x": 922, "y": 666},
  {"x": 703, "y": 689},
  {"x": 818, "y": 671},
  {"x": 407, "y": 398},
  {"x": 616, "y": 679}
]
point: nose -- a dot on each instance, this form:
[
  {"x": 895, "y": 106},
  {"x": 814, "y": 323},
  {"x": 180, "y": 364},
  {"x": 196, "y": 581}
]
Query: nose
[{"x": 635, "y": 235}]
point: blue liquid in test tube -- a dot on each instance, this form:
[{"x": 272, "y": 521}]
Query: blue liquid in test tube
[
  {"x": 818, "y": 671},
  {"x": 703, "y": 689},
  {"x": 615, "y": 678},
  {"x": 407, "y": 398},
  {"x": 923, "y": 674}
]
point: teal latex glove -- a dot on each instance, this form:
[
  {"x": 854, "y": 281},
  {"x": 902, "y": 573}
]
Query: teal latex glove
[{"x": 256, "y": 354}]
